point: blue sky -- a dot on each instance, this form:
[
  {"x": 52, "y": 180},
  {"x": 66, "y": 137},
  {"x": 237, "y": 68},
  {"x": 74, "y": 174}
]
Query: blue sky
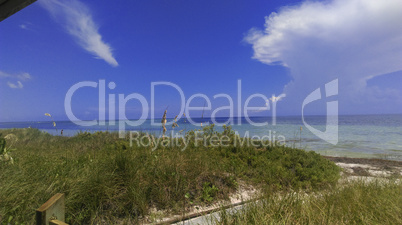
[{"x": 273, "y": 47}]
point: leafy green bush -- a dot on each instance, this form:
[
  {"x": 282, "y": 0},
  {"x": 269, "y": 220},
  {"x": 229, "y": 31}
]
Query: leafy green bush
[{"x": 209, "y": 191}]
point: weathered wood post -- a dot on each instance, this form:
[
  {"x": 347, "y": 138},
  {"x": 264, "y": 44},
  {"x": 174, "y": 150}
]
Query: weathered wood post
[{"x": 52, "y": 212}]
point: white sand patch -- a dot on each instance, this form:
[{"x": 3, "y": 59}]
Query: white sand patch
[{"x": 244, "y": 193}]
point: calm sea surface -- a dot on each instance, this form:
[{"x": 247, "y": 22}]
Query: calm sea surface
[{"x": 374, "y": 136}]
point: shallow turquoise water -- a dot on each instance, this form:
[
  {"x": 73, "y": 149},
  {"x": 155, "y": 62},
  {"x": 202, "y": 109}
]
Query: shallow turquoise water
[{"x": 374, "y": 136}]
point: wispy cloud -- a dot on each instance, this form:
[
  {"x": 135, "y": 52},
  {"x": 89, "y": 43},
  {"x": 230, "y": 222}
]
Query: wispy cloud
[
  {"x": 26, "y": 26},
  {"x": 17, "y": 85},
  {"x": 77, "y": 19},
  {"x": 19, "y": 77},
  {"x": 24, "y": 76},
  {"x": 352, "y": 40}
]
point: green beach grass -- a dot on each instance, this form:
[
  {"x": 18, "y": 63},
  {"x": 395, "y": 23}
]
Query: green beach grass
[
  {"x": 106, "y": 180},
  {"x": 357, "y": 202}
]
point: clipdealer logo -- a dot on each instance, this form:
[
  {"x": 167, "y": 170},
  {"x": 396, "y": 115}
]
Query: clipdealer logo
[
  {"x": 330, "y": 134},
  {"x": 148, "y": 109}
]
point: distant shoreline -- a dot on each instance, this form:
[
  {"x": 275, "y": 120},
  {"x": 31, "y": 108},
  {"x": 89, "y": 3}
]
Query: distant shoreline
[{"x": 369, "y": 161}]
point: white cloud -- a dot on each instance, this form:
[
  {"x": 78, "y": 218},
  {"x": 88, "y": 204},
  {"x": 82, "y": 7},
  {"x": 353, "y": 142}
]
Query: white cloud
[
  {"x": 26, "y": 26},
  {"x": 3, "y": 74},
  {"x": 353, "y": 40},
  {"x": 18, "y": 85},
  {"x": 19, "y": 77},
  {"x": 77, "y": 19},
  {"x": 24, "y": 76}
]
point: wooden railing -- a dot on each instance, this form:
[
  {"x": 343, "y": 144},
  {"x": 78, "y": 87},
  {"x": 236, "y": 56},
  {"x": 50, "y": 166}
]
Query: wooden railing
[{"x": 52, "y": 212}]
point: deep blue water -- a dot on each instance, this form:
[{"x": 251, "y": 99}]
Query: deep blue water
[{"x": 374, "y": 136}]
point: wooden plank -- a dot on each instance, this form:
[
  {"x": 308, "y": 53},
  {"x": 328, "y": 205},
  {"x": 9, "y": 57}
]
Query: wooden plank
[
  {"x": 57, "y": 222},
  {"x": 53, "y": 209}
]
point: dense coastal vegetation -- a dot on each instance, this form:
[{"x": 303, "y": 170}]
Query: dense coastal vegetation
[{"x": 107, "y": 179}]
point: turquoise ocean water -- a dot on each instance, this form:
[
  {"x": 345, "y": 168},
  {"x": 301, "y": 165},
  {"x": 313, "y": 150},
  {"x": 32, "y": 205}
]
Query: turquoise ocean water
[{"x": 373, "y": 136}]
